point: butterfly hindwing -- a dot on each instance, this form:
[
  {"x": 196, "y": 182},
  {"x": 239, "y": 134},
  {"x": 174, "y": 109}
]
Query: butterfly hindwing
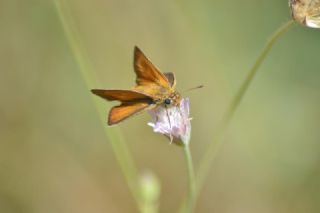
[
  {"x": 171, "y": 78},
  {"x": 132, "y": 102},
  {"x": 126, "y": 110}
]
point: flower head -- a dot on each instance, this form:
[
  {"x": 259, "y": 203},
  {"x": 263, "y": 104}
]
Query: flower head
[
  {"x": 306, "y": 12},
  {"x": 173, "y": 122}
]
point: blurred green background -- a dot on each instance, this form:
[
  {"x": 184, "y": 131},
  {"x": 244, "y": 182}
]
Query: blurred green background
[{"x": 54, "y": 156}]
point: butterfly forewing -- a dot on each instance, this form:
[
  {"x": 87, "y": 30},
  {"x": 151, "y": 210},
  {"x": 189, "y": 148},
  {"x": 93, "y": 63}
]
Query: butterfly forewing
[
  {"x": 146, "y": 72},
  {"x": 120, "y": 95}
]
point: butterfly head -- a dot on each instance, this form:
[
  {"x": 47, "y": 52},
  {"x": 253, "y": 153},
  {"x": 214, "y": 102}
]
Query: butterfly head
[{"x": 172, "y": 100}]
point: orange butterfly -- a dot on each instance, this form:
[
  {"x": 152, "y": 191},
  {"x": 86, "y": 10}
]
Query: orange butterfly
[{"x": 153, "y": 88}]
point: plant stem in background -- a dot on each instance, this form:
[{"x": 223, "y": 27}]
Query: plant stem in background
[
  {"x": 209, "y": 156},
  {"x": 191, "y": 180},
  {"x": 113, "y": 135}
]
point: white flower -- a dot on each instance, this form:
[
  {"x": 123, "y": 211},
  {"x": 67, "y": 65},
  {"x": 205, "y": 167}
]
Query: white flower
[{"x": 173, "y": 122}]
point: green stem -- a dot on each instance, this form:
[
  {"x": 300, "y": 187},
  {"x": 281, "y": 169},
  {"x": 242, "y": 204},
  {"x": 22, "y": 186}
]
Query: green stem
[
  {"x": 191, "y": 180},
  {"x": 113, "y": 135},
  {"x": 209, "y": 156}
]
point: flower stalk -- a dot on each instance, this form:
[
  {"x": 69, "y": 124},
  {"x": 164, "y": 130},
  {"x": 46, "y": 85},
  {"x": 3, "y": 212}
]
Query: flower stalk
[
  {"x": 210, "y": 154},
  {"x": 174, "y": 123},
  {"x": 191, "y": 181}
]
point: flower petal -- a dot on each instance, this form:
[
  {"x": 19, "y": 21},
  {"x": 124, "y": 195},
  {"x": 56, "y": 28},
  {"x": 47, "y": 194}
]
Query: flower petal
[{"x": 173, "y": 122}]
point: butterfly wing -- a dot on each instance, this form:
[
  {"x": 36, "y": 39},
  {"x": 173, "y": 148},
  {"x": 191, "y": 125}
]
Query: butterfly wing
[
  {"x": 132, "y": 103},
  {"x": 171, "y": 78},
  {"x": 126, "y": 110},
  {"x": 150, "y": 80},
  {"x": 146, "y": 72},
  {"x": 121, "y": 95}
]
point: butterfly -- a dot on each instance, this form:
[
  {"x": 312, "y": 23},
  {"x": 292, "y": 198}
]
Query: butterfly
[{"x": 153, "y": 88}]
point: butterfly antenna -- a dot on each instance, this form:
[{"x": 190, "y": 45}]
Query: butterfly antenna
[{"x": 193, "y": 88}]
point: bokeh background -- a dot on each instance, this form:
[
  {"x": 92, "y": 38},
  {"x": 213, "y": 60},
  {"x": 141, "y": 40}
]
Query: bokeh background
[{"x": 54, "y": 156}]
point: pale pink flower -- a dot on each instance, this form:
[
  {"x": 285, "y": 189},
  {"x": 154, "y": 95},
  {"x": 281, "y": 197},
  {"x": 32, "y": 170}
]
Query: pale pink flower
[{"x": 173, "y": 122}]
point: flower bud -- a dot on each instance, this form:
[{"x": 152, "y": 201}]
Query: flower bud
[
  {"x": 306, "y": 12},
  {"x": 150, "y": 191}
]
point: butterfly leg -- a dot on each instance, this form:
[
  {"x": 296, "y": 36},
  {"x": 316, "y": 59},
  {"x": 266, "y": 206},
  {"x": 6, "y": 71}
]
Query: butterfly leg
[{"x": 171, "y": 138}]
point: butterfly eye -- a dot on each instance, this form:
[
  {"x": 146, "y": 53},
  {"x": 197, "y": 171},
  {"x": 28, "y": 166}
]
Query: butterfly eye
[{"x": 167, "y": 101}]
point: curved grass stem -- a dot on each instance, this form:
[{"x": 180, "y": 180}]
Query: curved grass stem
[
  {"x": 210, "y": 154},
  {"x": 113, "y": 135},
  {"x": 211, "y": 151}
]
